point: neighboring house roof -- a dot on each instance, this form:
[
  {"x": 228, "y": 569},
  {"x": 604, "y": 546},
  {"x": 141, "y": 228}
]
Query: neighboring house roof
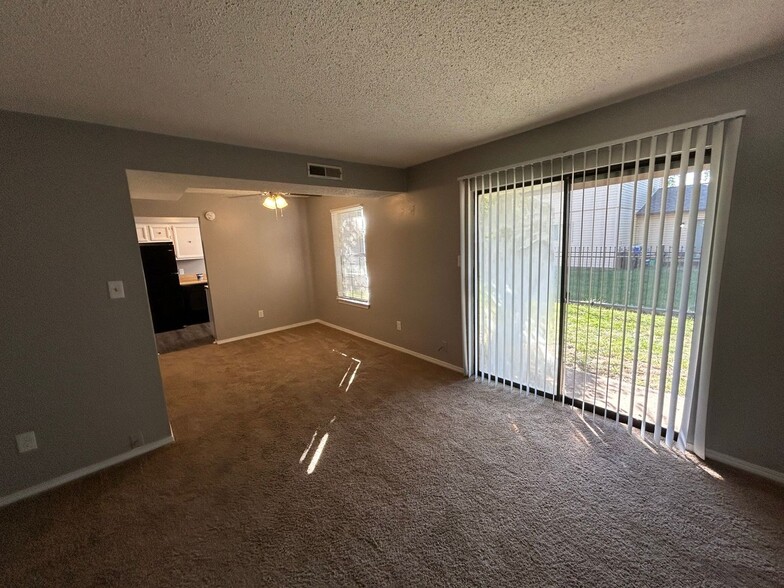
[{"x": 672, "y": 200}]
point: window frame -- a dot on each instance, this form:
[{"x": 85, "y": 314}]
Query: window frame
[{"x": 335, "y": 214}]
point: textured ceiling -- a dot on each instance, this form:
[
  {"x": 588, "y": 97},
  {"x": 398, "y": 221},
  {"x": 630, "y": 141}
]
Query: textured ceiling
[{"x": 394, "y": 83}]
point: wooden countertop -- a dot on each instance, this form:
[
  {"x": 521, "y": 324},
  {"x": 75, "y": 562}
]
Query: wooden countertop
[{"x": 192, "y": 280}]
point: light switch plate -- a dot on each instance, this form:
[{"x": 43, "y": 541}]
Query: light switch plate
[
  {"x": 116, "y": 289},
  {"x": 26, "y": 442}
]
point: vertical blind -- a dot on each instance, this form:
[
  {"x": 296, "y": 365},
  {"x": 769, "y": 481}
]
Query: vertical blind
[
  {"x": 591, "y": 277},
  {"x": 518, "y": 283}
]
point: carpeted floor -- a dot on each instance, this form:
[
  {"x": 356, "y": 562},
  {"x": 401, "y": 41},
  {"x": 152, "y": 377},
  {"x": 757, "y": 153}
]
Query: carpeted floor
[
  {"x": 185, "y": 338},
  {"x": 425, "y": 478}
]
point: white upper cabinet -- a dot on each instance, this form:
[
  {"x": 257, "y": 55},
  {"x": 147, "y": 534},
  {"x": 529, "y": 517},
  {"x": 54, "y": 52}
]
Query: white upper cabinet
[
  {"x": 141, "y": 234},
  {"x": 183, "y": 232},
  {"x": 160, "y": 232},
  {"x": 187, "y": 242}
]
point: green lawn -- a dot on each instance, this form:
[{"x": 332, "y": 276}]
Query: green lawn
[{"x": 595, "y": 334}]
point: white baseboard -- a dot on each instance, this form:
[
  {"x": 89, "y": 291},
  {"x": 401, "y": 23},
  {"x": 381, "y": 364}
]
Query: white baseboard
[
  {"x": 746, "y": 466},
  {"x": 259, "y": 333},
  {"x": 82, "y": 472},
  {"x": 445, "y": 364}
]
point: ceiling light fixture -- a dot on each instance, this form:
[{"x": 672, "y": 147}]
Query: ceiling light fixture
[{"x": 274, "y": 201}]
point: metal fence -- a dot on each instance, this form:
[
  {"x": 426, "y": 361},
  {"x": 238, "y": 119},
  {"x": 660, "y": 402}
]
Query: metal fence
[
  {"x": 612, "y": 275},
  {"x": 625, "y": 257}
]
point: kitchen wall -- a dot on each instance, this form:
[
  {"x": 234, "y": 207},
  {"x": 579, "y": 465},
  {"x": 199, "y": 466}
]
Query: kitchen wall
[
  {"x": 254, "y": 261},
  {"x": 191, "y": 266},
  {"x": 77, "y": 368},
  {"x": 413, "y": 243}
]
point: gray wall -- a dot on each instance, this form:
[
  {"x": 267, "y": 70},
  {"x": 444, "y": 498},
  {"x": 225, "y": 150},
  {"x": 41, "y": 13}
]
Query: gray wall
[
  {"x": 77, "y": 368},
  {"x": 414, "y": 275},
  {"x": 411, "y": 266},
  {"x": 254, "y": 262}
]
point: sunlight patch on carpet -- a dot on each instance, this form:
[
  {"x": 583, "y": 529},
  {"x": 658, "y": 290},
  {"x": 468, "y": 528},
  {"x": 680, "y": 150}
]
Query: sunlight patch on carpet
[{"x": 316, "y": 456}]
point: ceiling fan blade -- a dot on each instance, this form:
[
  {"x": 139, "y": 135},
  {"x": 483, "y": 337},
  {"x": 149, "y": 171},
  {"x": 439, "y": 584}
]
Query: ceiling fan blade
[
  {"x": 284, "y": 194},
  {"x": 246, "y": 195}
]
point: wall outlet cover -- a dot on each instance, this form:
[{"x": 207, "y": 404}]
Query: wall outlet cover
[
  {"x": 116, "y": 289},
  {"x": 26, "y": 442},
  {"x": 136, "y": 439}
]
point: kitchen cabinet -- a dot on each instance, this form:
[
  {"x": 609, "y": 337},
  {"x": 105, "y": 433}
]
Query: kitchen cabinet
[
  {"x": 159, "y": 232},
  {"x": 183, "y": 233},
  {"x": 187, "y": 241}
]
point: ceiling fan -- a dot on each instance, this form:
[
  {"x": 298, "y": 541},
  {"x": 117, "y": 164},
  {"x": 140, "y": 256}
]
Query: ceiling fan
[{"x": 275, "y": 200}]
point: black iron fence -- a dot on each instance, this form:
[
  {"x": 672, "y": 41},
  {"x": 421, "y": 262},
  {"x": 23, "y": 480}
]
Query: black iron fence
[{"x": 627, "y": 257}]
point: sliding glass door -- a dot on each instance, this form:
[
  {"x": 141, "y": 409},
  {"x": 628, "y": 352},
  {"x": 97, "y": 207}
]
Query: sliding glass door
[
  {"x": 586, "y": 276},
  {"x": 634, "y": 256}
]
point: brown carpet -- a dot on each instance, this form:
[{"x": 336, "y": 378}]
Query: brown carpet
[
  {"x": 425, "y": 479},
  {"x": 185, "y": 338}
]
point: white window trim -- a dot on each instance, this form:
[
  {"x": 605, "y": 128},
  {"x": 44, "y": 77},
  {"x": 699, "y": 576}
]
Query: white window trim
[
  {"x": 342, "y": 299},
  {"x": 351, "y": 302}
]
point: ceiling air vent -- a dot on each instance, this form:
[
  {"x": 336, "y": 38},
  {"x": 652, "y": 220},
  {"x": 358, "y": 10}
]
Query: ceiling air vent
[{"x": 330, "y": 172}]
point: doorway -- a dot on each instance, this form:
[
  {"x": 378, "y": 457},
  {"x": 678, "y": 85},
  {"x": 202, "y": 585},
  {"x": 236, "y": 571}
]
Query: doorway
[{"x": 177, "y": 282}]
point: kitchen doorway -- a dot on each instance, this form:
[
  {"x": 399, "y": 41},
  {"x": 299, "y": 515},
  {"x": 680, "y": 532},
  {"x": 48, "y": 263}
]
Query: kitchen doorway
[{"x": 177, "y": 282}]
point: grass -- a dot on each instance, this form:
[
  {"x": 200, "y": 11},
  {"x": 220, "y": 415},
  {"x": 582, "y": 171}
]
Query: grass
[{"x": 595, "y": 342}]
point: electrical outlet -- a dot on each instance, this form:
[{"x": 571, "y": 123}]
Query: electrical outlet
[
  {"x": 116, "y": 289},
  {"x": 399, "y": 326},
  {"x": 26, "y": 442},
  {"x": 136, "y": 439},
  {"x": 443, "y": 347},
  {"x": 261, "y": 314}
]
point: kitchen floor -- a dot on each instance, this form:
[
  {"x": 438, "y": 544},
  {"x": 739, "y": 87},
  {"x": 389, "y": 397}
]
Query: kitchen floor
[{"x": 190, "y": 336}]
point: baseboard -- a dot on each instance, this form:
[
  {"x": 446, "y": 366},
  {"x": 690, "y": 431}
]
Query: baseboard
[
  {"x": 746, "y": 466},
  {"x": 82, "y": 472},
  {"x": 445, "y": 364},
  {"x": 268, "y": 331}
]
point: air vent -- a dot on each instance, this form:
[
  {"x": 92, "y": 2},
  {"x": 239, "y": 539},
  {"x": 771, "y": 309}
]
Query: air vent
[{"x": 330, "y": 172}]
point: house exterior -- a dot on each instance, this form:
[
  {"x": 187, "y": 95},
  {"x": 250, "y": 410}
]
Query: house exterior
[
  {"x": 606, "y": 222},
  {"x": 670, "y": 209}
]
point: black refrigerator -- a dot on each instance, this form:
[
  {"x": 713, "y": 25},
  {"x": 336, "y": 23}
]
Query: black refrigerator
[{"x": 163, "y": 286}]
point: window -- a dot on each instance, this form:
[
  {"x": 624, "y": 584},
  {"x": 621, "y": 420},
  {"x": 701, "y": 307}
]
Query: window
[{"x": 348, "y": 235}]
